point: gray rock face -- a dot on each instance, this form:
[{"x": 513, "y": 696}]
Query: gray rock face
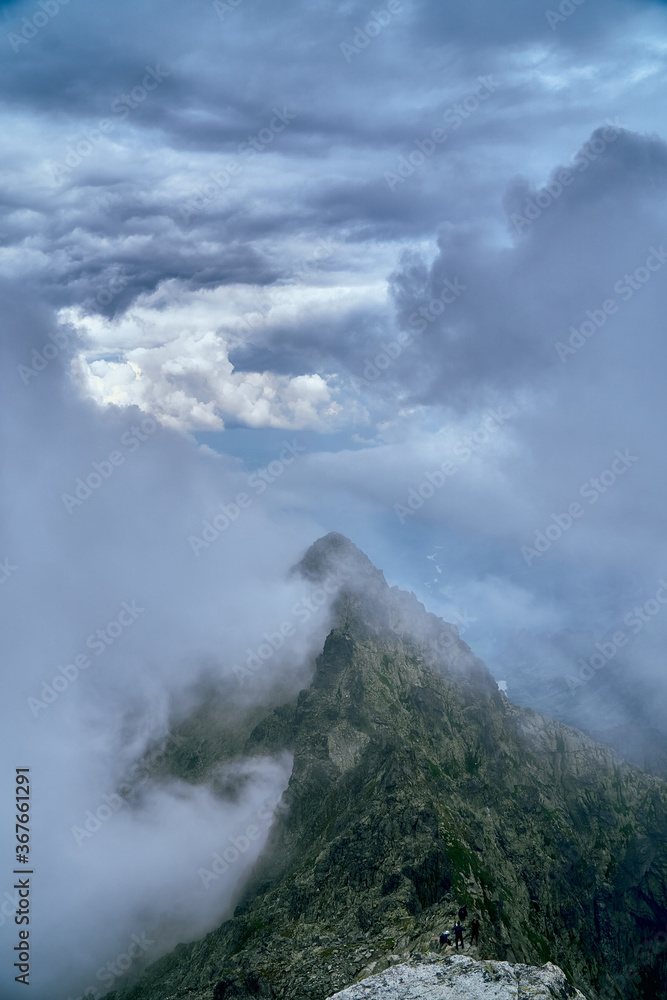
[{"x": 461, "y": 978}]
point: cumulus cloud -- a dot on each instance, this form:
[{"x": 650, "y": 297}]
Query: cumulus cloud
[{"x": 190, "y": 383}]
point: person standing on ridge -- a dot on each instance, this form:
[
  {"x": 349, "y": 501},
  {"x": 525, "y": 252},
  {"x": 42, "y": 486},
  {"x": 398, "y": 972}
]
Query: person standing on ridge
[
  {"x": 474, "y": 930},
  {"x": 458, "y": 934}
]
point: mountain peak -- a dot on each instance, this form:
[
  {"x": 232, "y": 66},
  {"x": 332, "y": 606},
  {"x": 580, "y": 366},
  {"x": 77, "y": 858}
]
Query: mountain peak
[
  {"x": 333, "y": 552},
  {"x": 367, "y": 608},
  {"x": 419, "y": 795}
]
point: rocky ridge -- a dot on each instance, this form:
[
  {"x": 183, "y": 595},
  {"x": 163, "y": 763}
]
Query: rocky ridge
[
  {"x": 461, "y": 978},
  {"x": 417, "y": 787}
]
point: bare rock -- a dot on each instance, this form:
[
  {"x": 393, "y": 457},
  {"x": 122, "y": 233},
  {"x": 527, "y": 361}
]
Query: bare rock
[{"x": 462, "y": 978}]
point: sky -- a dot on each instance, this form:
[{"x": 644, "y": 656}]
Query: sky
[{"x": 269, "y": 271}]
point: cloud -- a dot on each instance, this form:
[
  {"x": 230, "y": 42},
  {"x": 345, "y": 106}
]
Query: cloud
[
  {"x": 190, "y": 383},
  {"x": 114, "y": 628},
  {"x": 522, "y": 299}
]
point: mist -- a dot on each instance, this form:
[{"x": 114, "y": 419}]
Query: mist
[{"x": 115, "y": 630}]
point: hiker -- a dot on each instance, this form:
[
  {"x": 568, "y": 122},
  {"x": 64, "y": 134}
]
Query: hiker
[
  {"x": 458, "y": 934},
  {"x": 444, "y": 939},
  {"x": 463, "y": 912},
  {"x": 474, "y": 930}
]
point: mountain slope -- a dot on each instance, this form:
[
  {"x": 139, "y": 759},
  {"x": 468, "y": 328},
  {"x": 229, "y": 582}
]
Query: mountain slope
[{"x": 417, "y": 787}]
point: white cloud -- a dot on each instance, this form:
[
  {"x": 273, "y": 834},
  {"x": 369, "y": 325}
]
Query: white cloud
[
  {"x": 169, "y": 354},
  {"x": 190, "y": 383}
]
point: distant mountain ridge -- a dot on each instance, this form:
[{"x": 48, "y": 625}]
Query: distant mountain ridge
[
  {"x": 611, "y": 703},
  {"x": 417, "y": 788}
]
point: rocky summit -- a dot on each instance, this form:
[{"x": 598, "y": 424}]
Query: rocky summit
[
  {"x": 462, "y": 978},
  {"x": 420, "y": 792}
]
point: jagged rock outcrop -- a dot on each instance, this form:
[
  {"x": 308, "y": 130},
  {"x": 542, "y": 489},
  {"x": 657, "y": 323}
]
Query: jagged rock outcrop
[
  {"x": 461, "y": 978},
  {"x": 417, "y": 787}
]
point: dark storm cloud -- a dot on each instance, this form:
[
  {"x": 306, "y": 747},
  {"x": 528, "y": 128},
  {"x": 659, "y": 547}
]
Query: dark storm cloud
[
  {"x": 98, "y": 51},
  {"x": 109, "y": 283},
  {"x": 373, "y": 210},
  {"x": 333, "y": 343},
  {"x": 110, "y": 236},
  {"x": 206, "y": 104},
  {"x": 520, "y": 21},
  {"x": 521, "y": 300}
]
